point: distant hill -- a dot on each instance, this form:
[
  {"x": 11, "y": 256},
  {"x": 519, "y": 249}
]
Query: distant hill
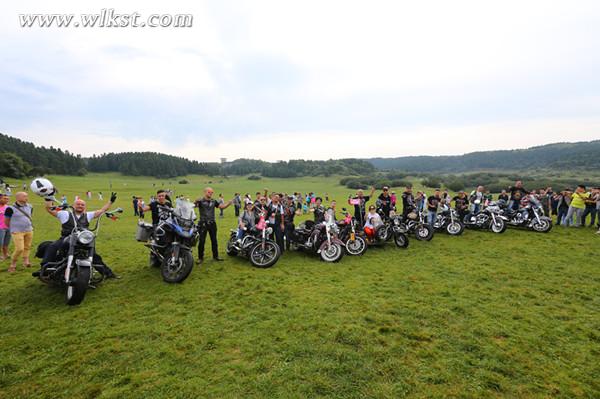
[{"x": 581, "y": 155}]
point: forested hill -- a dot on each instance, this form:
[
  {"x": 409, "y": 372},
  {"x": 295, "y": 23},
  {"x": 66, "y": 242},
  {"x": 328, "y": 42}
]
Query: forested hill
[
  {"x": 581, "y": 155},
  {"x": 33, "y": 160}
]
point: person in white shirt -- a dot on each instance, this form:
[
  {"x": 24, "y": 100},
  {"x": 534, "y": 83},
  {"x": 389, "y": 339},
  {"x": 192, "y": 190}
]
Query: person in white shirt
[{"x": 372, "y": 222}]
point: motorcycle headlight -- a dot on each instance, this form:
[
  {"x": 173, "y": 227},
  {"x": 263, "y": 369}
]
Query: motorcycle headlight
[{"x": 85, "y": 237}]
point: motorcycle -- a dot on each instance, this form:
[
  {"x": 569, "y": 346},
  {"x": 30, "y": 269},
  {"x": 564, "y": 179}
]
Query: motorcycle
[
  {"x": 75, "y": 269},
  {"x": 490, "y": 218},
  {"x": 320, "y": 238},
  {"x": 448, "y": 220},
  {"x": 392, "y": 228},
  {"x": 531, "y": 216},
  {"x": 172, "y": 241},
  {"x": 255, "y": 245},
  {"x": 351, "y": 235},
  {"x": 415, "y": 223}
]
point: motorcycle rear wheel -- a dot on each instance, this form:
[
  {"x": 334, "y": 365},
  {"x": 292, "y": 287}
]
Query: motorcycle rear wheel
[
  {"x": 231, "y": 250},
  {"x": 543, "y": 227},
  {"x": 423, "y": 232},
  {"x": 180, "y": 270},
  {"x": 401, "y": 240},
  {"x": 76, "y": 290}
]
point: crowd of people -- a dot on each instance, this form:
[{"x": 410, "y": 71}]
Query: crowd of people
[{"x": 569, "y": 207}]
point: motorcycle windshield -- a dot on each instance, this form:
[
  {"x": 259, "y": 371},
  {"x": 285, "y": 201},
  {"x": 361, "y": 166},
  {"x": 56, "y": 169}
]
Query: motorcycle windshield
[{"x": 184, "y": 210}]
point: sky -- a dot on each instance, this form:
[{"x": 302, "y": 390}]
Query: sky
[{"x": 277, "y": 80}]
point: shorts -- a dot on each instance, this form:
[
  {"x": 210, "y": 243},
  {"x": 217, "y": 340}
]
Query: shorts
[{"x": 4, "y": 237}]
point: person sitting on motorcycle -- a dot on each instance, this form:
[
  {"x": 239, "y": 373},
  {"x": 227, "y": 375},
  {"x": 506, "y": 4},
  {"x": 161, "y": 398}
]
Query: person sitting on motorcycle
[
  {"x": 247, "y": 220},
  {"x": 319, "y": 215},
  {"x": 476, "y": 199},
  {"x": 319, "y": 211},
  {"x": 372, "y": 222},
  {"x": 461, "y": 204},
  {"x": 82, "y": 219}
]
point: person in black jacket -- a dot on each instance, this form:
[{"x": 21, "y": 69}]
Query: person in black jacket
[{"x": 207, "y": 222}]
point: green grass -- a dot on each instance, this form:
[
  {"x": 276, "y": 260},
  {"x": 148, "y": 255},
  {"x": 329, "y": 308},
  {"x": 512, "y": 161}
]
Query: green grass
[{"x": 481, "y": 315}]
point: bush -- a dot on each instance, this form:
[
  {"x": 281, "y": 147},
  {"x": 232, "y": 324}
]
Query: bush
[
  {"x": 432, "y": 182},
  {"x": 82, "y": 172},
  {"x": 455, "y": 185},
  {"x": 184, "y": 181},
  {"x": 254, "y": 177}
]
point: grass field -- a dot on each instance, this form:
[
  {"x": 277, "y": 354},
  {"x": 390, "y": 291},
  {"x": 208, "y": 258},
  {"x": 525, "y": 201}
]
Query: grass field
[{"x": 481, "y": 315}]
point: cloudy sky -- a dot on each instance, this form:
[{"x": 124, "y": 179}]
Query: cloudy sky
[{"x": 310, "y": 79}]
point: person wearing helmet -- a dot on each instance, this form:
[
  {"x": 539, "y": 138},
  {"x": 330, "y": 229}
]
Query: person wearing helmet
[{"x": 79, "y": 217}]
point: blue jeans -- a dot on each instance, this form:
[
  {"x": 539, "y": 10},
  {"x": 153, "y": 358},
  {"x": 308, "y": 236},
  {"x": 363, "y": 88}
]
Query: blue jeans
[
  {"x": 431, "y": 216},
  {"x": 591, "y": 212},
  {"x": 4, "y": 237}
]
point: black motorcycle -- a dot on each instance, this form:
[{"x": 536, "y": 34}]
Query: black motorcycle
[
  {"x": 392, "y": 228},
  {"x": 255, "y": 245},
  {"x": 79, "y": 268},
  {"x": 490, "y": 218},
  {"x": 415, "y": 223},
  {"x": 320, "y": 239},
  {"x": 449, "y": 221},
  {"x": 531, "y": 216},
  {"x": 351, "y": 235},
  {"x": 172, "y": 241}
]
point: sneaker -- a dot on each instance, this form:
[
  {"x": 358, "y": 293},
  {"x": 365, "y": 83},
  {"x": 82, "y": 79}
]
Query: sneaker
[
  {"x": 199, "y": 261},
  {"x": 217, "y": 259}
]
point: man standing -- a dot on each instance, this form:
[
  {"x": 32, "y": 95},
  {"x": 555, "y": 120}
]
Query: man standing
[
  {"x": 276, "y": 219},
  {"x": 385, "y": 201},
  {"x": 136, "y": 211},
  {"x": 432, "y": 206},
  {"x": 288, "y": 220},
  {"x": 359, "y": 205},
  {"x": 578, "y": 199},
  {"x": 237, "y": 204},
  {"x": 18, "y": 219},
  {"x": 207, "y": 223}
]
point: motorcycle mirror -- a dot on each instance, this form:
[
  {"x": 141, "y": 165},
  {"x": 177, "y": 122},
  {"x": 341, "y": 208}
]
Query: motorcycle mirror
[{"x": 118, "y": 210}]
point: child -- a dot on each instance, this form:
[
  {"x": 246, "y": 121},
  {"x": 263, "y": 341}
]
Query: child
[{"x": 372, "y": 222}]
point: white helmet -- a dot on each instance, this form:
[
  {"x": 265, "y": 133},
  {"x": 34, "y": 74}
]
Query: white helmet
[{"x": 42, "y": 187}]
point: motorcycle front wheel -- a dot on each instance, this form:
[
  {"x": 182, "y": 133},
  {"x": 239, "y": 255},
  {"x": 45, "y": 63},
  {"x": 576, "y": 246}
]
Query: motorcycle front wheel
[
  {"x": 499, "y": 226},
  {"x": 333, "y": 253},
  {"x": 356, "y": 247},
  {"x": 178, "y": 269},
  {"x": 455, "y": 228},
  {"x": 423, "y": 232},
  {"x": 264, "y": 257},
  {"x": 77, "y": 288}
]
